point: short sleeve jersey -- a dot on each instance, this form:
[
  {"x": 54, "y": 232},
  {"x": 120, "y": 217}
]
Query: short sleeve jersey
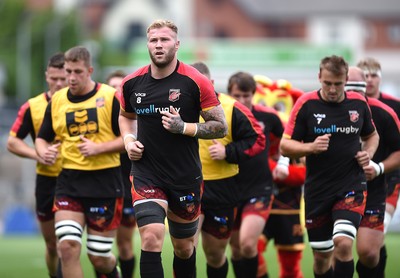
[
  {"x": 168, "y": 158},
  {"x": 388, "y": 127},
  {"x": 28, "y": 121},
  {"x": 394, "y": 103},
  {"x": 334, "y": 170}
]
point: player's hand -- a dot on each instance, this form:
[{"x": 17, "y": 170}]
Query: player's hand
[
  {"x": 88, "y": 147},
  {"x": 369, "y": 172},
  {"x": 172, "y": 121},
  {"x": 135, "y": 150},
  {"x": 372, "y": 170},
  {"x": 217, "y": 150},
  {"x": 321, "y": 143},
  {"x": 51, "y": 154},
  {"x": 362, "y": 158}
]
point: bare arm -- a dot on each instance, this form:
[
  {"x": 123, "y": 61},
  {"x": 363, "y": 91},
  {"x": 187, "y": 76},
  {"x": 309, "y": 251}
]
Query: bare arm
[
  {"x": 19, "y": 147},
  {"x": 215, "y": 125},
  {"x": 128, "y": 128},
  {"x": 90, "y": 148},
  {"x": 46, "y": 151},
  {"x": 296, "y": 149},
  {"x": 369, "y": 147},
  {"x": 371, "y": 143}
]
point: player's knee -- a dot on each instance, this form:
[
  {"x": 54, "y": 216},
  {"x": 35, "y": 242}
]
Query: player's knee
[
  {"x": 99, "y": 246},
  {"x": 369, "y": 257},
  {"x": 149, "y": 213},
  {"x": 344, "y": 233},
  {"x": 182, "y": 230},
  {"x": 248, "y": 247},
  {"x": 322, "y": 246},
  {"x": 68, "y": 230},
  {"x": 322, "y": 260}
]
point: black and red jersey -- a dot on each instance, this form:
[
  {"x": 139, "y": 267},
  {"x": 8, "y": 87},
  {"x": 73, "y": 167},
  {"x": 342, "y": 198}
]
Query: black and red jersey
[
  {"x": 394, "y": 176},
  {"x": 331, "y": 171},
  {"x": 254, "y": 176},
  {"x": 168, "y": 158},
  {"x": 390, "y": 101},
  {"x": 388, "y": 127}
]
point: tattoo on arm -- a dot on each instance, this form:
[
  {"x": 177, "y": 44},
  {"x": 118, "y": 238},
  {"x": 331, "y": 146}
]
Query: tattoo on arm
[{"x": 215, "y": 125}]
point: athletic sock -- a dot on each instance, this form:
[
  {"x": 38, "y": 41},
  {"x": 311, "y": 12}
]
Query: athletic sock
[
  {"x": 328, "y": 274},
  {"x": 344, "y": 269},
  {"x": 150, "y": 264},
  {"x": 236, "y": 265},
  {"x": 219, "y": 272},
  {"x": 185, "y": 267},
  {"x": 380, "y": 271},
  {"x": 127, "y": 267},
  {"x": 113, "y": 274},
  {"x": 249, "y": 266},
  {"x": 364, "y": 271},
  {"x": 262, "y": 270},
  {"x": 59, "y": 269},
  {"x": 289, "y": 263}
]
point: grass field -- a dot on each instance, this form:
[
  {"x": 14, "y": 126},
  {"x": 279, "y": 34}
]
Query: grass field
[{"x": 22, "y": 256}]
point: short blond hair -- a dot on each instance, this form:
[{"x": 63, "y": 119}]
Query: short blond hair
[
  {"x": 369, "y": 64},
  {"x": 159, "y": 23}
]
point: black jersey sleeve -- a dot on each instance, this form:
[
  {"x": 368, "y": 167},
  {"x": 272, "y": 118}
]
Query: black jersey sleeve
[
  {"x": 115, "y": 115},
  {"x": 248, "y": 138},
  {"x": 26, "y": 125},
  {"x": 46, "y": 131}
]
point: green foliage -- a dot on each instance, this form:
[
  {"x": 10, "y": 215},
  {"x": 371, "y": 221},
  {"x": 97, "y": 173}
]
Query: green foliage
[
  {"x": 13, "y": 15},
  {"x": 10, "y": 12}
]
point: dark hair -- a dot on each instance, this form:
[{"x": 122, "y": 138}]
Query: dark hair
[
  {"x": 78, "y": 53},
  {"x": 202, "y": 68},
  {"x": 56, "y": 61},
  {"x": 243, "y": 80},
  {"x": 334, "y": 64},
  {"x": 117, "y": 73}
]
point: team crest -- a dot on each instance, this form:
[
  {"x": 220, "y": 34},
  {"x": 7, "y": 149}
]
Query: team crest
[
  {"x": 174, "y": 95},
  {"x": 373, "y": 219},
  {"x": 190, "y": 207},
  {"x": 100, "y": 102},
  {"x": 354, "y": 116}
]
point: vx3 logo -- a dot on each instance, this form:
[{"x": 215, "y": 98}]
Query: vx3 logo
[{"x": 319, "y": 117}]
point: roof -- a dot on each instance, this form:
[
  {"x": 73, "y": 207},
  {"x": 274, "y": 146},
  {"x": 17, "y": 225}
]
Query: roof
[{"x": 273, "y": 9}]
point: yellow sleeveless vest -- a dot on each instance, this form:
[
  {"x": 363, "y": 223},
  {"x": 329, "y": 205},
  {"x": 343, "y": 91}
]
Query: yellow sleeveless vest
[
  {"x": 91, "y": 118},
  {"x": 218, "y": 169},
  {"x": 37, "y": 106}
]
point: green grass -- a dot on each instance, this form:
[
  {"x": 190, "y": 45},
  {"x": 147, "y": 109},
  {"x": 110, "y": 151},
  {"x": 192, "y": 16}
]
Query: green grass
[{"x": 22, "y": 256}]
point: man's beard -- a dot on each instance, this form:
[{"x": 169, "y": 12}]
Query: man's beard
[{"x": 164, "y": 63}]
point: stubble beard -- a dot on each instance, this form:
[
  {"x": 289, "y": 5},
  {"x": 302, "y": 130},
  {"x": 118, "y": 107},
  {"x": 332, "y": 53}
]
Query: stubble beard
[{"x": 168, "y": 58}]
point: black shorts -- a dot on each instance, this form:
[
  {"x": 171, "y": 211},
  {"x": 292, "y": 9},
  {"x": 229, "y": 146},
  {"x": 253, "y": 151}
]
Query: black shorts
[
  {"x": 182, "y": 200},
  {"x": 374, "y": 214},
  {"x": 322, "y": 214},
  {"x": 101, "y": 214},
  {"x": 44, "y": 194},
  {"x": 286, "y": 231},
  {"x": 221, "y": 193},
  {"x": 128, "y": 213},
  {"x": 218, "y": 222}
]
